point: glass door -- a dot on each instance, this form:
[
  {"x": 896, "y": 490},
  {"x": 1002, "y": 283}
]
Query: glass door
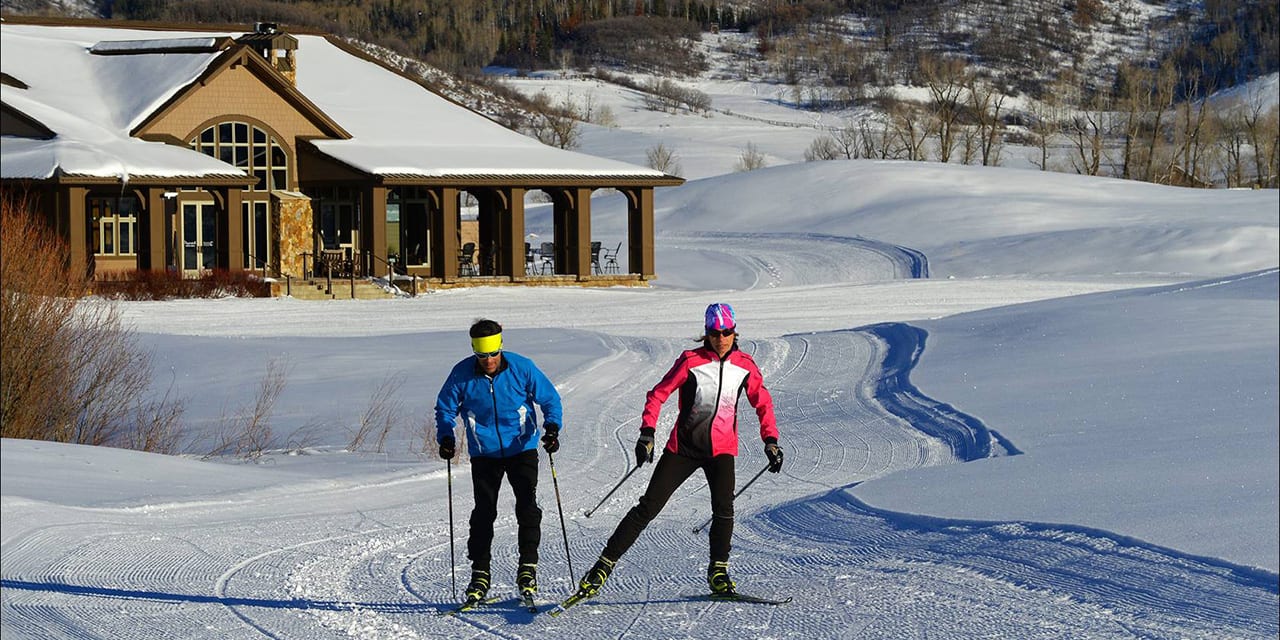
[
  {"x": 199, "y": 229},
  {"x": 257, "y": 234},
  {"x": 417, "y": 234},
  {"x": 338, "y": 225}
]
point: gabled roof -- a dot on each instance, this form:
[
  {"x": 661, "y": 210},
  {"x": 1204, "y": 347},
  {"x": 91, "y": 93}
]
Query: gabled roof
[
  {"x": 80, "y": 146},
  {"x": 391, "y": 127},
  {"x": 237, "y": 55},
  {"x": 90, "y": 103}
]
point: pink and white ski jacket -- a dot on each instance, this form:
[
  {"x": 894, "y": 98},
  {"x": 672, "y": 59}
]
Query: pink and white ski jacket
[{"x": 707, "y": 424}]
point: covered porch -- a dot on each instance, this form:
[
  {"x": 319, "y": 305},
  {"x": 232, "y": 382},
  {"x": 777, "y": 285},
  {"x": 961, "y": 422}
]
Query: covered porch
[{"x": 472, "y": 231}]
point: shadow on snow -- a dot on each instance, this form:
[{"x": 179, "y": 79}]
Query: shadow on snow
[
  {"x": 967, "y": 436},
  {"x": 1088, "y": 565},
  {"x": 266, "y": 603}
]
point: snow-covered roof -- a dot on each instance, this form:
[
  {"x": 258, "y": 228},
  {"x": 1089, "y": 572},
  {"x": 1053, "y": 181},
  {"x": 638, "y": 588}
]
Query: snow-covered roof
[
  {"x": 156, "y": 46},
  {"x": 417, "y": 132},
  {"x": 91, "y": 101}
]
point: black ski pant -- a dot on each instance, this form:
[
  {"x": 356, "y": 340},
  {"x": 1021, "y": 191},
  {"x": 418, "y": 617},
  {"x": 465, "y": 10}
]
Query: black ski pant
[
  {"x": 671, "y": 472},
  {"x": 486, "y": 478}
]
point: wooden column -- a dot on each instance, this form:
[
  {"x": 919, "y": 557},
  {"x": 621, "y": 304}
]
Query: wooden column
[
  {"x": 373, "y": 222},
  {"x": 580, "y": 233},
  {"x": 561, "y": 216},
  {"x": 446, "y": 254},
  {"x": 74, "y": 209},
  {"x": 157, "y": 239},
  {"x": 640, "y": 233},
  {"x": 234, "y": 235},
  {"x": 513, "y": 231}
]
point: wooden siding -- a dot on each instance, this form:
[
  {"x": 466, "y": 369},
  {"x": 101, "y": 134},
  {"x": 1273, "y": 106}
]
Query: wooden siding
[{"x": 236, "y": 94}]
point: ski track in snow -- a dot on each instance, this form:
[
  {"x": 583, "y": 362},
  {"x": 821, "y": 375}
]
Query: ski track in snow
[
  {"x": 789, "y": 259},
  {"x": 370, "y": 559}
]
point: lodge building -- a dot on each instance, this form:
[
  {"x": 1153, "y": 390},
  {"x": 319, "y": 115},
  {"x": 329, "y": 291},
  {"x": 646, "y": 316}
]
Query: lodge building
[{"x": 188, "y": 149}]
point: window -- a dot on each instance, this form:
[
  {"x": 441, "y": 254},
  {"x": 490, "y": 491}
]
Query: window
[
  {"x": 338, "y": 215},
  {"x": 115, "y": 225},
  {"x": 415, "y": 226},
  {"x": 257, "y": 235},
  {"x": 250, "y": 148}
]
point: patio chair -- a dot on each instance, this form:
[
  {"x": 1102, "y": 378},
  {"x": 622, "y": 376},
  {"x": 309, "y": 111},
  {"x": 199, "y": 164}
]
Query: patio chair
[
  {"x": 467, "y": 260},
  {"x": 611, "y": 259},
  {"x": 548, "y": 253},
  {"x": 595, "y": 257}
]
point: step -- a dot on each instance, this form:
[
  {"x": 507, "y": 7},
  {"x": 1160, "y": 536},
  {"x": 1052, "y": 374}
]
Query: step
[{"x": 341, "y": 290}]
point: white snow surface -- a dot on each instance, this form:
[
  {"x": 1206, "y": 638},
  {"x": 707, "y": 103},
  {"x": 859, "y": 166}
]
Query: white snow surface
[{"x": 1068, "y": 429}]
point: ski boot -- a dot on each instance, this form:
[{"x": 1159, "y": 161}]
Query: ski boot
[
  {"x": 718, "y": 579},
  {"x": 479, "y": 587},
  {"x": 527, "y": 579},
  {"x": 595, "y": 577}
]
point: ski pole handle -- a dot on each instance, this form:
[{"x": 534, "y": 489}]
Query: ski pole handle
[
  {"x": 611, "y": 491},
  {"x": 735, "y": 496}
]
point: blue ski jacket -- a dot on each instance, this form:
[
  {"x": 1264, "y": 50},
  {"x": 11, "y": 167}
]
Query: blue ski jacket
[{"x": 497, "y": 411}]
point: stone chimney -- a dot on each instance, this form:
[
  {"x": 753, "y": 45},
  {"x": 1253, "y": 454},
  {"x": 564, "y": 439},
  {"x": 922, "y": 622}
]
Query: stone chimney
[{"x": 278, "y": 48}]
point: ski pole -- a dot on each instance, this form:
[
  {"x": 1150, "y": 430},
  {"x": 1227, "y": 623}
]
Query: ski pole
[
  {"x": 560, "y": 507},
  {"x": 735, "y": 496},
  {"x": 615, "y": 488},
  {"x": 453, "y": 575}
]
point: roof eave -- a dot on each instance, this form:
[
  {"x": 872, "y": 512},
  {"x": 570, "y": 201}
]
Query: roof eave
[
  {"x": 213, "y": 180},
  {"x": 533, "y": 181}
]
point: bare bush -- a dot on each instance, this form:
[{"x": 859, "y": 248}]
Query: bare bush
[
  {"x": 663, "y": 159},
  {"x": 249, "y": 433},
  {"x": 146, "y": 284},
  {"x": 823, "y": 147},
  {"x": 69, "y": 371},
  {"x": 380, "y": 415},
  {"x": 662, "y": 94},
  {"x": 426, "y": 434},
  {"x": 158, "y": 423},
  {"x": 846, "y": 142},
  {"x": 592, "y": 111},
  {"x": 555, "y": 125},
  {"x": 305, "y": 437},
  {"x": 750, "y": 160}
]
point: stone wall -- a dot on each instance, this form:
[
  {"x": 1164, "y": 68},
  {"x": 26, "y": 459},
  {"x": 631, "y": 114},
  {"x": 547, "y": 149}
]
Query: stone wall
[{"x": 294, "y": 230}]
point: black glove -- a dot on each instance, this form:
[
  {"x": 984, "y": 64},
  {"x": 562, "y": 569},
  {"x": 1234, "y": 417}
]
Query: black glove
[
  {"x": 774, "y": 453},
  {"x": 644, "y": 446},
  {"x": 551, "y": 437},
  {"x": 448, "y": 447}
]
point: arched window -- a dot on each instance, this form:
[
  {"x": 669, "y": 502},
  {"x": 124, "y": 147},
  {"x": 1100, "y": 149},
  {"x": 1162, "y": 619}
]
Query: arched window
[{"x": 250, "y": 148}]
